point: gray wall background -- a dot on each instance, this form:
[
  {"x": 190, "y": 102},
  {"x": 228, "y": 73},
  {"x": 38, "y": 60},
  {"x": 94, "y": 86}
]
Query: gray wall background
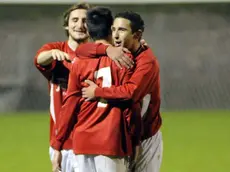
[{"x": 192, "y": 43}]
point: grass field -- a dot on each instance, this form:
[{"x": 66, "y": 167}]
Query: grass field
[{"x": 194, "y": 141}]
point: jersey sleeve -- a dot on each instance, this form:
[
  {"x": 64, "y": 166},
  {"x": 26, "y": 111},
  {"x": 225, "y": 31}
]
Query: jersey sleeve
[
  {"x": 133, "y": 118},
  {"x": 46, "y": 70},
  {"x": 136, "y": 87},
  {"x": 67, "y": 117},
  {"x": 92, "y": 50}
]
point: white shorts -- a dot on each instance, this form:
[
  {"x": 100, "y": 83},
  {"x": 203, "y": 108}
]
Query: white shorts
[
  {"x": 68, "y": 161},
  {"x": 99, "y": 163},
  {"x": 151, "y": 155}
]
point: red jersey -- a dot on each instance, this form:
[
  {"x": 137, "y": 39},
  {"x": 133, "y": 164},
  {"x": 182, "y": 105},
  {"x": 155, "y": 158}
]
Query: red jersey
[
  {"x": 101, "y": 128},
  {"x": 143, "y": 86},
  {"x": 57, "y": 75}
]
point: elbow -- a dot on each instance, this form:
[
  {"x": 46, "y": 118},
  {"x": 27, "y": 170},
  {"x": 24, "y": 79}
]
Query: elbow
[{"x": 131, "y": 93}]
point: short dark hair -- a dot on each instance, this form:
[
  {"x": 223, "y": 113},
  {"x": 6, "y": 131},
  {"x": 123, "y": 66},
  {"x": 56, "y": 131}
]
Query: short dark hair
[
  {"x": 66, "y": 15},
  {"x": 99, "y": 21},
  {"x": 135, "y": 19}
]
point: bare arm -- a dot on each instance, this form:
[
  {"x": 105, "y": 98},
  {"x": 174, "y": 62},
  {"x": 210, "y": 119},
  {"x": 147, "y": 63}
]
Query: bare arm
[{"x": 46, "y": 57}]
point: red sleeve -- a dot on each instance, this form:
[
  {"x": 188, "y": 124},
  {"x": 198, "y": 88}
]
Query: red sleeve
[
  {"x": 140, "y": 83},
  {"x": 46, "y": 70},
  {"x": 91, "y": 50},
  {"x": 133, "y": 118},
  {"x": 67, "y": 116}
]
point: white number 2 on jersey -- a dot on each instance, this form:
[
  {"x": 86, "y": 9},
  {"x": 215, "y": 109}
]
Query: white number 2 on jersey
[{"x": 105, "y": 74}]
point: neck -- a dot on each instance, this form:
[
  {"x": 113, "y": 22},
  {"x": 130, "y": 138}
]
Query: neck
[
  {"x": 73, "y": 44},
  {"x": 103, "y": 41},
  {"x": 136, "y": 46},
  {"x": 106, "y": 41}
]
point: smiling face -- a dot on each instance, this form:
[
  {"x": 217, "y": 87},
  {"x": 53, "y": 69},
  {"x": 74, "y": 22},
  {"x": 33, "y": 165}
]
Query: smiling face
[
  {"x": 77, "y": 28},
  {"x": 122, "y": 33}
]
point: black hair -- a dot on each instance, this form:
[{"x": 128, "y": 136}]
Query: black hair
[
  {"x": 135, "y": 19},
  {"x": 99, "y": 21}
]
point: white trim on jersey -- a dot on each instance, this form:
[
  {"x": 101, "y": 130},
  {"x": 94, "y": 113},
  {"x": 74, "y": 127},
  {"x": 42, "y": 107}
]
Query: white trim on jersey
[
  {"x": 145, "y": 105},
  {"x": 105, "y": 74},
  {"x": 52, "y": 110}
]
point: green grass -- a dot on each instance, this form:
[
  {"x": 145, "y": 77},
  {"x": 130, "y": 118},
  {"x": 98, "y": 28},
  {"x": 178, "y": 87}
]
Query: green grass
[{"x": 194, "y": 141}]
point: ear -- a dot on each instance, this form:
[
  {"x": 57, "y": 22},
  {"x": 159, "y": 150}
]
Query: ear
[
  {"x": 138, "y": 34},
  {"x": 66, "y": 27}
]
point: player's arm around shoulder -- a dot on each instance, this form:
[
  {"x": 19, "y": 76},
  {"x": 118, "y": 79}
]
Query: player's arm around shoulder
[
  {"x": 91, "y": 50},
  {"x": 96, "y": 50},
  {"x": 127, "y": 72}
]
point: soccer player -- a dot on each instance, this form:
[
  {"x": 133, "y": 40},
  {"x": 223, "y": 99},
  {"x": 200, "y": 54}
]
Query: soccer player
[
  {"x": 144, "y": 86},
  {"x": 102, "y": 135},
  {"x": 52, "y": 61}
]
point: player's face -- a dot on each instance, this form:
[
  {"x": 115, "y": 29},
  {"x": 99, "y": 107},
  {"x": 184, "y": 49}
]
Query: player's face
[
  {"x": 77, "y": 25},
  {"x": 122, "y": 33}
]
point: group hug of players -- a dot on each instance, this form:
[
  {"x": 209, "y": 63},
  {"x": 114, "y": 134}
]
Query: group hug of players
[{"x": 104, "y": 87}]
